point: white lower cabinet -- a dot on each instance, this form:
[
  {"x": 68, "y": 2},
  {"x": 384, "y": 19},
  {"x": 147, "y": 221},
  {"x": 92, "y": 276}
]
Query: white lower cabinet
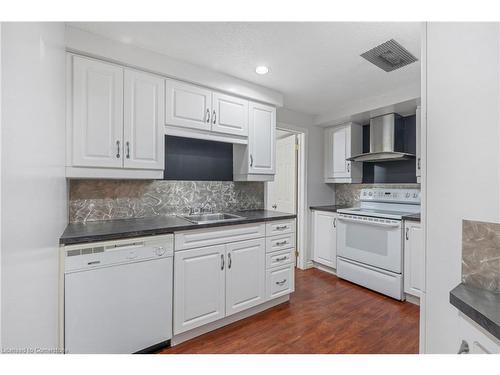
[
  {"x": 325, "y": 238},
  {"x": 199, "y": 287},
  {"x": 473, "y": 339},
  {"x": 414, "y": 259},
  {"x": 242, "y": 270},
  {"x": 245, "y": 277}
]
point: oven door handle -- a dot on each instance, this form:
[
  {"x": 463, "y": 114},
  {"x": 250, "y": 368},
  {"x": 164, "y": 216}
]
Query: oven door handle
[{"x": 366, "y": 222}]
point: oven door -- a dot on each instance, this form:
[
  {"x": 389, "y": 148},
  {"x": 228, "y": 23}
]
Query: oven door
[{"x": 373, "y": 241}]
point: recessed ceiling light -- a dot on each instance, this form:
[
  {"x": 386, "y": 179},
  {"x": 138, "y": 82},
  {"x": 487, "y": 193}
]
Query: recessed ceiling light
[{"x": 262, "y": 69}]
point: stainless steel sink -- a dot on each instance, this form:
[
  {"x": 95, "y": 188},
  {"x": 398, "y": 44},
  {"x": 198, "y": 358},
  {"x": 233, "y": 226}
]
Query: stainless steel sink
[{"x": 211, "y": 218}]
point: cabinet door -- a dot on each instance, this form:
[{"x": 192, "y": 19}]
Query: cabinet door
[
  {"x": 97, "y": 114},
  {"x": 325, "y": 238},
  {"x": 245, "y": 275},
  {"x": 229, "y": 115},
  {"x": 187, "y": 106},
  {"x": 143, "y": 120},
  {"x": 418, "y": 142},
  {"x": 261, "y": 139},
  {"x": 414, "y": 259},
  {"x": 199, "y": 287},
  {"x": 340, "y": 140}
]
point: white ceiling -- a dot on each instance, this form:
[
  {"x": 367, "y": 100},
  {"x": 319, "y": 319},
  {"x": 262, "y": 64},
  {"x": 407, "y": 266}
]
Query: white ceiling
[{"x": 316, "y": 66}]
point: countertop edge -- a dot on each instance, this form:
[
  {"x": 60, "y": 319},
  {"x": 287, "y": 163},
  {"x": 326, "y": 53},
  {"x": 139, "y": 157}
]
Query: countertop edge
[
  {"x": 166, "y": 230},
  {"x": 473, "y": 313}
]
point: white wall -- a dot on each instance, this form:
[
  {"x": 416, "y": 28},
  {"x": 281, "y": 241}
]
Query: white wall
[
  {"x": 318, "y": 193},
  {"x": 33, "y": 195},
  {"x": 463, "y": 169}
]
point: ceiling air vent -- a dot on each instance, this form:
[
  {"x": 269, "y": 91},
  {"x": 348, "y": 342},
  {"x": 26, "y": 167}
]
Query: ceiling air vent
[{"x": 389, "y": 56}]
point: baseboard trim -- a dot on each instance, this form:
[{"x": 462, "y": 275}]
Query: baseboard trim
[
  {"x": 185, "y": 336},
  {"x": 412, "y": 299},
  {"x": 323, "y": 268}
]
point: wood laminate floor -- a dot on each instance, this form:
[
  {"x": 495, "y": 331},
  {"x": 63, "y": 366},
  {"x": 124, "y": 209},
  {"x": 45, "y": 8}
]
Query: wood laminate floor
[{"x": 324, "y": 315}]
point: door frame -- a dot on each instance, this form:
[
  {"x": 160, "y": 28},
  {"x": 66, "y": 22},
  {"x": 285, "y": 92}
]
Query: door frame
[{"x": 301, "y": 234}]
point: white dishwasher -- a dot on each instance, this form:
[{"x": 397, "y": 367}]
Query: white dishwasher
[{"x": 118, "y": 295}]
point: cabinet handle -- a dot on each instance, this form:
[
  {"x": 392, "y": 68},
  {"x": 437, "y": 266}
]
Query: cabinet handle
[
  {"x": 348, "y": 167},
  {"x": 281, "y": 282},
  {"x": 208, "y": 116},
  {"x": 229, "y": 260},
  {"x": 464, "y": 348},
  {"x": 407, "y": 234},
  {"x": 118, "y": 149},
  {"x": 251, "y": 160},
  {"x": 335, "y": 222},
  {"x": 128, "y": 149},
  {"x": 281, "y": 259},
  {"x": 279, "y": 227},
  {"x": 281, "y": 243},
  {"x": 418, "y": 163},
  {"x": 222, "y": 262},
  {"x": 214, "y": 117}
]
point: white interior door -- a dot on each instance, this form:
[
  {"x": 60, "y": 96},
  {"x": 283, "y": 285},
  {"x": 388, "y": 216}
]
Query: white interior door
[
  {"x": 261, "y": 138},
  {"x": 245, "y": 275},
  {"x": 144, "y": 110},
  {"x": 199, "y": 287},
  {"x": 97, "y": 113},
  {"x": 282, "y": 192},
  {"x": 229, "y": 115},
  {"x": 187, "y": 105}
]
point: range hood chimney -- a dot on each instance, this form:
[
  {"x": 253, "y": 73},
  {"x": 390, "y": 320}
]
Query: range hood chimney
[{"x": 383, "y": 142}]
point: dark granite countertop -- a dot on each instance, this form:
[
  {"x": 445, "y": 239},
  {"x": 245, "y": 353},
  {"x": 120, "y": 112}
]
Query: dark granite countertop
[
  {"x": 128, "y": 228},
  {"x": 481, "y": 305},
  {"x": 330, "y": 208},
  {"x": 412, "y": 217}
]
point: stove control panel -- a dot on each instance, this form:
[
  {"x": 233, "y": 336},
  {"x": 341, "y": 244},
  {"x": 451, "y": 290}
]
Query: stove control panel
[{"x": 407, "y": 196}]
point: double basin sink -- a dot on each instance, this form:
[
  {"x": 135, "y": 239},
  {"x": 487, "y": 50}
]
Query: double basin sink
[{"x": 211, "y": 218}]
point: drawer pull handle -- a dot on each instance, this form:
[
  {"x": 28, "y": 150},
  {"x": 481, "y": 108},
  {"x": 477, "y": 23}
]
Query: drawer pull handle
[
  {"x": 280, "y": 283},
  {"x": 281, "y": 243},
  {"x": 281, "y": 227},
  {"x": 281, "y": 259}
]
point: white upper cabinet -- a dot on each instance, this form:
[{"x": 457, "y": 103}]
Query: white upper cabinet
[
  {"x": 115, "y": 121},
  {"x": 325, "y": 238},
  {"x": 188, "y": 106},
  {"x": 229, "y": 115},
  {"x": 256, "y": 162},
  {"x": 245, "y": 275},
  {"x": 342, "y": 142},
  {"x": 418, "y": 166},
  {"x": 97, "y": 114},
  {"x": 414, "y": 259},
  {"x": 196, "y": 112},
  {"x": 262, "y": 139},
  {"x": 143, "y": 121}
]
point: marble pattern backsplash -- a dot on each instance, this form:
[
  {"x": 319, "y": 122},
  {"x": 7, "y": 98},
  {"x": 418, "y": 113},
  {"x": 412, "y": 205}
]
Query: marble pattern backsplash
[
  {"x": 481, "y": 254},
  {"x": 348, "y": 194},
  {"x": 93, "y": 200}
]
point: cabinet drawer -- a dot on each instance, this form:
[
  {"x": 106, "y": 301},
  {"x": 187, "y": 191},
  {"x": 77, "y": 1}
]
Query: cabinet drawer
[
  {"x": 279, "y": 258},
  {"x": 280, "y": 281},
  {"x": 194, "y": 238},
  {"x": 280, "y": 242},
  {"x": 280, "y": 227}
]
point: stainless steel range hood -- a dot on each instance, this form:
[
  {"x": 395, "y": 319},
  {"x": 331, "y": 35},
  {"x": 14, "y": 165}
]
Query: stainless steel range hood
[{"x": 383, "y": 145}]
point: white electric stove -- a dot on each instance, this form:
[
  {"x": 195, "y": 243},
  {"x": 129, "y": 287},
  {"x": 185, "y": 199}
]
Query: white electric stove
[{"x": 370, "y": 239}]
